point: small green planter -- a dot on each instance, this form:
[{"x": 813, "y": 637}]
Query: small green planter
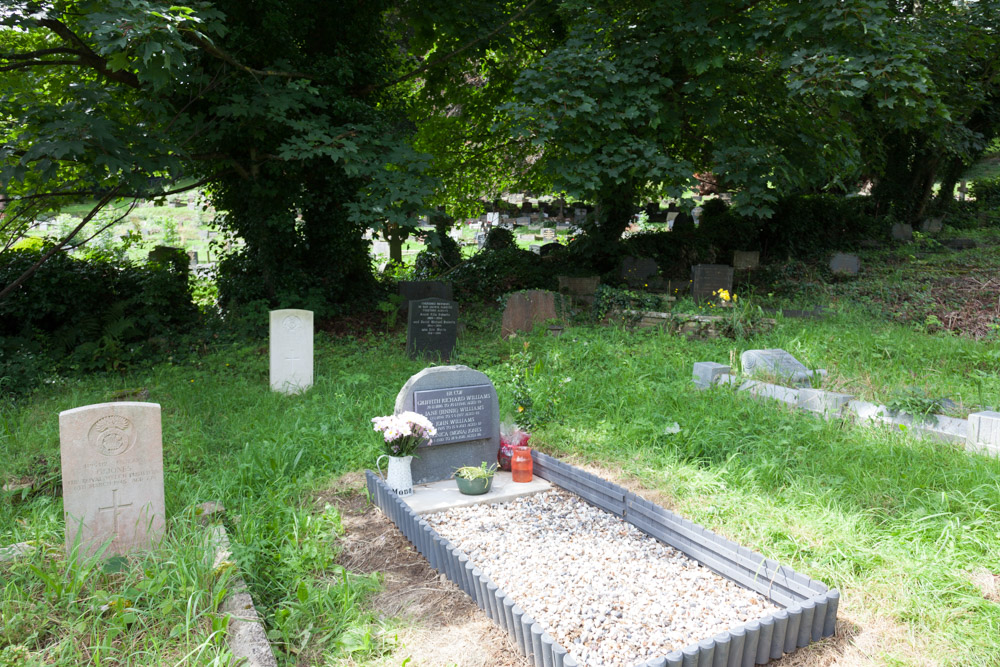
[{"x": 474, "y": 487}]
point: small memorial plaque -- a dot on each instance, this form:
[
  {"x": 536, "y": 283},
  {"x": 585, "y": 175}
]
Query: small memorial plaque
[
  {"x": 458, "y": 413},
  {"x": 432, "y": 327}
]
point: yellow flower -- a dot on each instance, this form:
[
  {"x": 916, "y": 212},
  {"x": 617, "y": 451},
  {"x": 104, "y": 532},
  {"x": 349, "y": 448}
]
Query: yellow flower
[{"x": 520, "y": 408}]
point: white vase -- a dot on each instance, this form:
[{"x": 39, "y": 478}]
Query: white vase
[{"x": 397, "y": 474}]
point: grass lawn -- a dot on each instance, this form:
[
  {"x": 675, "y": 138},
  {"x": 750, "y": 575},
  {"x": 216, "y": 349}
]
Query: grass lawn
[{"x": 906, "y": 529}]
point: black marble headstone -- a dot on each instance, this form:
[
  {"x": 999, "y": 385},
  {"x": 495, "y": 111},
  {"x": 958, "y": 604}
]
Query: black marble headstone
[
  {"x": 709, "y": 278},
  {"x": 431, "y": 328}
]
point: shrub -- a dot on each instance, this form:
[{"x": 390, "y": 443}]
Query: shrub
[
  {"x": 499, "y": 238},
  {"x": 432, "y": 262},
  {"x": 986, "y": 192},
  {"x": 489, "y": 274},
  {"x": 93, "y": 314}
]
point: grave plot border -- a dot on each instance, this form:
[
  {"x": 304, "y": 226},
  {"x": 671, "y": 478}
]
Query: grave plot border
[{"x": 809, "y": 613}]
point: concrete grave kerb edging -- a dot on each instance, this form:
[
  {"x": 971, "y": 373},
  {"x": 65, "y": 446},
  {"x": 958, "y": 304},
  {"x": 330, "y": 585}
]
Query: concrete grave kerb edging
[
  {"x": 810, "y": 607},
  {"x": 980, "y": 433}
]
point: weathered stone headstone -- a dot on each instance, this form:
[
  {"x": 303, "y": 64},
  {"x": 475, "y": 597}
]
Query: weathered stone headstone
[
  {"x": 523, "y": 221},
  {"x": 526, "y": 309},
  {"x": 492, "y": 218},
  {"x": 380, "y": 248},
  {"x": 579, "y": 214},
  {"x": 931, "y": 225},
  {"x": 481, "y": 239},
  {"x": 192, "y": 258},
  {"x": 112, "y": 476},
  {"x": 706, "y": 279},
  {"x": 162, "y": 254},
  {"x": 581, "y": 289},
  {"x": 414, "y": 290},
  {"x": 431, "y": 328},
  {"x": 745, "y": 260},
  {"x": 291, "y": 348},
  {"x": 777, "y": 362},
  {"x": 845, "y": 264},
  {"x": 548, "y": 234},
  {"x": 535, "y": 248},
  {"x": 902, "y": 232},
  {"x": 462, "y": 404},
  {"x": 638, "y": 271},
  {"x": 984, "y": 432},
  {"x": 707, "y": 373}
]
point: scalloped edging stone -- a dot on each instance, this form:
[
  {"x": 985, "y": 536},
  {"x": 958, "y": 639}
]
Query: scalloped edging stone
[{"x": 810, "y": 608}]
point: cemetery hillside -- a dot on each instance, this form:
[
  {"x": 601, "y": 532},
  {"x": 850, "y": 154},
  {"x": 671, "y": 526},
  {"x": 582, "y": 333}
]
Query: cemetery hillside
[{"x": 544, "y": 333}]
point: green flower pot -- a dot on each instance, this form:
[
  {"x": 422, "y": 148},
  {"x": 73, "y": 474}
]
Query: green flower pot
[{"x": 474, "y": 487}]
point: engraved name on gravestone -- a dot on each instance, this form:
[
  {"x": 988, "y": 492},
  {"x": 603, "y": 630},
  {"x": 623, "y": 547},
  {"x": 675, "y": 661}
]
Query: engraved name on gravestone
[
  {"x": 458, "y": 413},
  {"x": 431, "y": 328},
  {"x": 462, "y": 404},
  {"x": 112, "y": 476},
  {"x": 706, "y": 279},
  {"x": 291, "y": 350}
]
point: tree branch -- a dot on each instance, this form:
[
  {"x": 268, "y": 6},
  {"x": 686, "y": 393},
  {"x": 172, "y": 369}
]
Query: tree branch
[
  {"x": 448, "y": 56},
  {"x": 221, "y": 54},
  {"x": 59, "y": 246},
  {"x": 88, "y": 56}
]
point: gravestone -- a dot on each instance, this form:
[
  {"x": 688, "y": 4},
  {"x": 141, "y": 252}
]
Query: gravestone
[
  {"x": 579, "y": 214},
  {"x": 492, "y": 219},
  {"x": 549, "y": 248},
  {"x": 959, "y": 244},
  {"x": 548, "y": 234},
  {"x": 638, "y": 271},
  {"x": 380, "y": 248},
  {"x": 431, "y": 328},
  {"x": 902, "y": 232},
  {"x": 846, "y": 264},
  {"x": 535, "y": 248},
  {"x": 112, "y": 476},
  {"x": 523, "y": 221},
  {"x": 526, "y": 309},
  {"x": 931, "y": 225},
  {"x": 777, "y": 362},
  {"x": 580, "y": 289},
  {"x": 291, "y": 348},
  {"x": 462, "y": 404},
  {"x": 192, "y": 258},
  {"x": 414, "y": 290},
  {"x": 706, "y": 279},
  {"x": 746, "y": 260},
  {"x": 707, "y": 373},
  {"x": 162, "y": 254},
  {"x": 480, "y": 239}
]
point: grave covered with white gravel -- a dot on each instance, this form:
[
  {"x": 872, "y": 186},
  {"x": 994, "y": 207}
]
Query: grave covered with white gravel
[
  {"x": 606, "y": 591},
  {"x": 593, "y": 574}
]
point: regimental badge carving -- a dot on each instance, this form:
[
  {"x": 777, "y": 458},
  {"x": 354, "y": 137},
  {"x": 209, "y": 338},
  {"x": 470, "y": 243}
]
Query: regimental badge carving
[
  {"x": 112, "y": 435},
  {"x": 292, "y": 322}
]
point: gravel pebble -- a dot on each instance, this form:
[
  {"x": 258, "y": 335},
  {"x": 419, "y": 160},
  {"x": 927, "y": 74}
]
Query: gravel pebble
[{"x": 607, "y": 592}]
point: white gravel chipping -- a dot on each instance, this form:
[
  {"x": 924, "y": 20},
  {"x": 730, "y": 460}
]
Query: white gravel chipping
[{"x": 607, "y": 592}]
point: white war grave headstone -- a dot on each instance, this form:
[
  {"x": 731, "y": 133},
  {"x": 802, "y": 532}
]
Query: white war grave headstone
[
  {"x": 112, "y": 470},
  {"x": 291, "y": 350},
  {"x": 462, "y": 404}
]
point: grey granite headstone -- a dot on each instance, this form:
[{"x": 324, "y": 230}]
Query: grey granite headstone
[
  {"x": 462, "y": 404},
  {"x": 431, "y": 328},
  {"x": 414, "y": 290},
  {"x": 709, "y": 278},
  {"x": 745, "y": 260},
  {"x": 776, "y": 362},
  {"x": 902, "y": 232},
  {"x": 845, "y": 264}
]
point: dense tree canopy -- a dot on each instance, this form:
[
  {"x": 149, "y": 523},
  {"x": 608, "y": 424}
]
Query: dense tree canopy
[{"x": 308, "y": 121}]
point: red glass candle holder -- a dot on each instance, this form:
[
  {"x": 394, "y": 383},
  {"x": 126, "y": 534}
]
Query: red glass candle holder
[{"x": 520, "y": 464}]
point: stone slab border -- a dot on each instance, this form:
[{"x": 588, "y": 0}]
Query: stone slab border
[
  {"x": 810, "y": 608},
  {"x": 980, "y": 433}
]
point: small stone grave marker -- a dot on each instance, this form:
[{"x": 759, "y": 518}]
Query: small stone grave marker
[
  {"x": 112, "y": 476},
  {"x": 431, "y": 328},
  {"x": 380, "y": 248},
  {"x": 984, "y": 432},
  {"x": 746, "y": 260},
  {"x": 707, "y": 279},
  {"x": 492, "y": 219},
  {"x": 480, "y": 239},
  {"x": 902, "y": 232},
  {"x": 846, "y": 264},
  {"x": 548, "y": 234},
  {"x": 526, "y": 309},
  {"x": 776, "y": 362},
  {"x": 579, "y": 214},
  {"x": 523, "y": 221},
  {"x": 462, "y": 404},
  {"x": 580, "y": 289},
  {"x": 931, "y": 225},
  {"x": 291, "y": 348}
]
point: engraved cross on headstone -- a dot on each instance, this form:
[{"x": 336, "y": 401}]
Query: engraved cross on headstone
[{"x": 114, "y": 507}]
